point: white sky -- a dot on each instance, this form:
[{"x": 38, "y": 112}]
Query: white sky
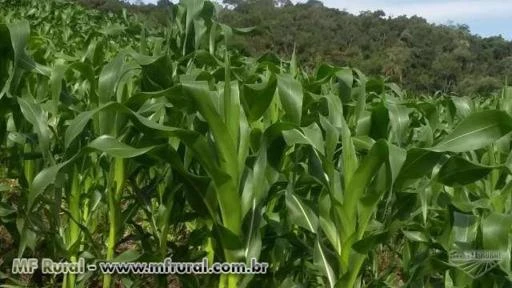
[{"x": 434, "y": 11}]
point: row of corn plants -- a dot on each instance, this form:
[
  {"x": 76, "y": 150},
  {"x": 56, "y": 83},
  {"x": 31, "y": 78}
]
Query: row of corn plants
[{"x": 121, "y": 142}]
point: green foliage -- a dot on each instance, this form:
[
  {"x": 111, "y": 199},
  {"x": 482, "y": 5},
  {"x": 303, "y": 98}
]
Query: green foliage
[
  {"x": 423, "y": 57},
  {"x": 129, "y": 142}
]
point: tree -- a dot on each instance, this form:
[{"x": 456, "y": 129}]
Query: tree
[
  {"x": 235, "y": 3},
  {"x": 282, "y": 3},
  {"x": 164, "y": 3},
  {"x": 422, "y": 56},
  {"x": 315, "y": 3}
]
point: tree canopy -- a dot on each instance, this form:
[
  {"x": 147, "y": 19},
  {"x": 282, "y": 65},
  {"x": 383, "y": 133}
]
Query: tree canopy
[{"x": 420, "y": 56}]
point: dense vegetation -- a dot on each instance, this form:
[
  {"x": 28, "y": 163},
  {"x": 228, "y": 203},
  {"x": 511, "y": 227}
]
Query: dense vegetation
[
  {"x": 125, "y": 141},
  {"x": 420, "y": 56}
]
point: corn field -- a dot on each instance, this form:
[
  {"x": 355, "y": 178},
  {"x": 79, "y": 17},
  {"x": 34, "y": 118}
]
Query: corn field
[{"x": 121, "y": 141}]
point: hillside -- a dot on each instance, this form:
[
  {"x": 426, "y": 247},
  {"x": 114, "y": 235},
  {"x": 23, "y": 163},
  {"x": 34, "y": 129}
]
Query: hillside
[{"x": 422, "y": 57}]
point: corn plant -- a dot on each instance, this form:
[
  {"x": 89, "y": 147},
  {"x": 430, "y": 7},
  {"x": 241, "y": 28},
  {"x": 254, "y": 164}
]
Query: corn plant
[{"x": 128, "y": 142}]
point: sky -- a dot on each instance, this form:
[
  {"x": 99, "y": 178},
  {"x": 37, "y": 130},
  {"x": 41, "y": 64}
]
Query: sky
[{"x": 484, "y": 17}]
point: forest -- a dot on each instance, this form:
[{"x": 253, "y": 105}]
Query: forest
[{"x": 422, "y": 57}]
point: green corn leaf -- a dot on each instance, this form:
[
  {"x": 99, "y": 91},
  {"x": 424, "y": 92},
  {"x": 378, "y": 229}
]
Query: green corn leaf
[
  {"x": 193, "y": 9},
  {"x": 459, "y": 171},
  {"x": 291, "y": 96},
  {"x": 28, "y": 237},
  {"x": 415, "y": 236},
  {"x": 346, "y": 80},
  {"x": 312, "y": 136},
  {"x": 360, "y": 96},
  {"x": 107, "y": 85},
  {"x": 476, "y": 131},
  {"x": 256, "y": 185},
  {"x": 19, "y": 36},
  {"x": 115, "y": 148},
  {"x": 418, "y": 163},
  {"x": 254, "y": 241},
  {"x": 506, "y": 100},
  {"x": 369, "y": 242},
  {"x": 256, "y": 98},
  {"x": 35, "y": 115},
  {"x": 44, "y": 179},
  {"x": 155, "y": 75},
  {"x": 229, "y": 198},
  {"x": 399, "y": 120},
  {"x": 230, "y": 242},
  {"x": 379, "y": 123},
  {"x": 130, "y": 255},
  {"x": 397, "y": 158},
  {"x": 225, "y": 143},
  {"x": 323, "y": 263},
  {"x": 361, "y": 179},
  {"x": 327, "y": 224},
  {"x": 195, "y": 141},
  {"x": 56, "y": 78},
  {"x": 350, "y": 161},
  {"x": 299, "y": 213},
  {"x": 462, "y": 106}
]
